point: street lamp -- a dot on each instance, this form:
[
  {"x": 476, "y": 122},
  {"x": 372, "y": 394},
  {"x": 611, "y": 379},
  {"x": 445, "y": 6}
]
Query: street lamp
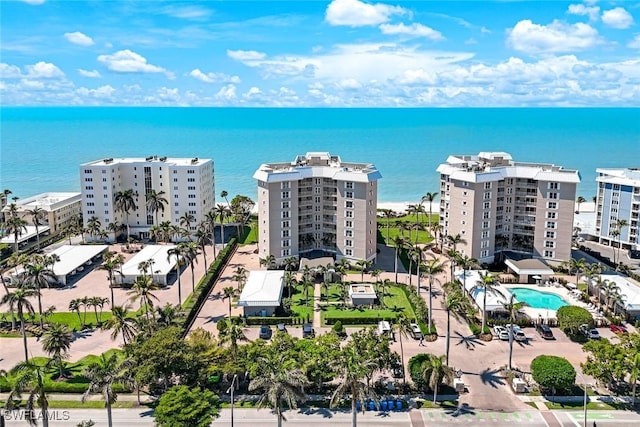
[
  {"x": 584, "y": 385},
  {"x": 234, "y": 384}
]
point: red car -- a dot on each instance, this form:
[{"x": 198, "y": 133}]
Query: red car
[{"x": 618, "y": 329}]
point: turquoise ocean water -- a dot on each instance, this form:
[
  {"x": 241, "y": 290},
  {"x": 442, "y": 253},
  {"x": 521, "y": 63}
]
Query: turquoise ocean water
[{"x": 42, "y": 148}]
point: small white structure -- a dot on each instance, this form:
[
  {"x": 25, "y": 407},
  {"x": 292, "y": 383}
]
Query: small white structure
[
  {"x": 519, "y": 385},
  {"x": 384, "y": 328},
  {"x": 262, "y": 293},
  {"x": 29, "y": 232},
  {"x": 72, "y": 257},
  {"x": 160, "y": 262},
  {"x": 495, "y": 300},
  {"x": 458, "y": 385},
  {"x": 362, "y": 294},
  {"x": 529, "y": 270}
]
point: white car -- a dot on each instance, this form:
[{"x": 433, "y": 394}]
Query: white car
[
  {"x": 518, "y": 335},
  {"x": 501, "y": 332}
]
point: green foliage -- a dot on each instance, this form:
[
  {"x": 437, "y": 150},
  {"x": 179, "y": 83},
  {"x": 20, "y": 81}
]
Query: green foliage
[
  {"x": 182, "y": 406},
  {"x": 257, "y": 320},
  {"x": 415, "y": 369},
  {"x": 607, "y": 362},
  {"x": 553, "y": 372},
  {"x": 338, "y": 329},
  {"x": 570, "y": 317},
  {"x": 356, "y": 318}
]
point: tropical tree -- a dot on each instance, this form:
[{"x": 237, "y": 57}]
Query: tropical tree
[
  {"x": 224, "y": 195},
  {"x": 115, "y": 227},
  {"x": 111, "y": 264},
  {"x": 466, "y": 263},
  {"x": 430, "y": 198},
  {"x": 18, "y": 301},
  {"x": 512, "y": 308},
  {"x": 38, "y": 275},
  {"x": 417, "y": 254},
  {"x": 142, "y": 290},
  {"x": 362, "y": 265},
  {"x": 186, "y": 220},
  {"x": 98, "y": 302},
  {"x": 125, "y": 202},
  {"x": 202, "y": 240},
  {"x": 399, "y": 243},
  {"x": 121, "y": 324},
  {"x": 156, "y": 203},
  {"x": 37, "y": 215},
  {"x": 228, "y": 293},
  {"x": 184, "y": 406},
  {"x": 580, "y": 200},
  {"x": 56, "y": 342},
  {"x": 619, "y": 225},
  {"x": 435, "y": 371},
  {"x": 454, "y": 241},
  {"x": 190, "y": 254},
  {"x": 432, "y": 268},
  {"x": 16, "y": 226},
  {"x": 269, "y": 261},
  {"x": 402, "y": 326},
  {"x": 223, "y": 212},
  {"x": 454, "y": 304},
  {"x": 634, "y": 375},
  {"x": 210, "y": 224},
  {"x": 488, "y": 283},
  {"x": 103, "y": 375},
  {"x": 577, "y": 266},
  {"x": 231, "y": 333},
  {"x": 93, "y": 226},
  {"x": 388, "y": 214},
  {"x": 30, "y": 376},
  {"x": 74, "y": 305},
  {"x": 177, "y": 252},
  {"x": 240, "y": 277}
]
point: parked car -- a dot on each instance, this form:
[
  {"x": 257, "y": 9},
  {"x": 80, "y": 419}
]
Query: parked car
[
  {"x": 589, "y": 332},
  {"x": 307, "y": 331},
  {"x": 518, "y": 335},
  {"x": 397, "y": 371},
  {"x": 416, "y": 333},
  {"x": 265, "y": 332},
  {"x": 501, "y": 332},
  {"x": 618, "y": 329},
  {"x": 545, "y": 331},
  {"x": 281, "y": 327}
]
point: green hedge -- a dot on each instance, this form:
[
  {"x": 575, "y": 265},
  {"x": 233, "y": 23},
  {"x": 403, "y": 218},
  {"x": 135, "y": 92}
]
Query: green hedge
[
  {"x": 257, "y": 320},
  {"x": 358, "y": 320},
  {"x": 196, "y": 300}
]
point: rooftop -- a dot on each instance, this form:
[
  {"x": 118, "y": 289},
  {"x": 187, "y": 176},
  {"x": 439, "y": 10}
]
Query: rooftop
[
  {"x": 628, "y": 176},
  {"x": 47, "y": 201},
  {"x": 175, "y": 161},
  {"x": 263, "y": 289}
]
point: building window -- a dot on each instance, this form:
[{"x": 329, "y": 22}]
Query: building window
[
  {"x": 485, "y": 224},
  {"x": 348, "y": 224},
  {"x": 551, "y": 215},
  {"x": 348, "y": 242},
  {"x": 285, "y": 214},
  {"x": 348, "y": 233},
  {"x": 285, "y": 233},
  {"x": 550, "y": 234},
  {"x": 549, "y": 254},
  {"x": 348, "y": 252},
  {"x": 549, "y": 244},
  {"x": 485, "y": 234},
  {"x": 348, "y": 204},
  {"x": 285, "y": 205},
  {"x": 552, "y": 205},
  {"x": 286, "y": 243},
  {"x": 348, "y": 185},
  {"x": 487, "y": 195},
  {"x": 285, "y": 185},
  {"x": 285, "y": 194},
  {"x": 552, "y": 195},
  {"x": 550, "y": 224},
  {"x": 486, "y": 215},
  {"x": 285, "y": 224},
  {"x": 554, "y": 186},
  {"x": 348, "y": 214},
  {"x": 285, "y": 252},
  {"x": 487, "y": 186},
  {"x": 484, "y": 244},
  {"x": 486, "y": 205},
  {"x": 349, "y": 195},
  {"x": 484, "y": 253}
]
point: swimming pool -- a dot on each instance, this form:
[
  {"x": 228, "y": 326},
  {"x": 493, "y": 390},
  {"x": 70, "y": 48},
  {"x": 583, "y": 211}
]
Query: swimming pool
[{"x": 536, "y": 299}]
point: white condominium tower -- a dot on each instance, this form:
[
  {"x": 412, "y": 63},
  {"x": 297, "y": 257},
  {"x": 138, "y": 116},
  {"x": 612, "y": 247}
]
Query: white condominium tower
[
  {"x": 186, "y": 186},
  {"x": 496, "y": 204},
  {"x": 317, "y": 203},
  {"x": 618, "y": 207}
]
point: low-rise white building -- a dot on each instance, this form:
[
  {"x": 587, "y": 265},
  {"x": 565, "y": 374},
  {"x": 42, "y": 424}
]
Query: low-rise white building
[
  {"x": 262, "y": 293},
  {"x": 495, "y": 299},
  {"x": 60, "y": 209}
]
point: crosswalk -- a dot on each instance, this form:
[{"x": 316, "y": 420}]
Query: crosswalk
[{"x": 469, "y": 416}]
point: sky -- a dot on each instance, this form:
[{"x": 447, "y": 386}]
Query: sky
[{"x": 339, "y": 53}]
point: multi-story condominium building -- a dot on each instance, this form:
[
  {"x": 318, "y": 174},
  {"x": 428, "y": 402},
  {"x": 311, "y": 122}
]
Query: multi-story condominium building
[
  {"x": 496, "y": 204},
  {"x": 317, "y": 203},
  {"x": 618, "y": 207},
  {"x": 59, "y": 209},
  {"x": 186, "y": 184}
]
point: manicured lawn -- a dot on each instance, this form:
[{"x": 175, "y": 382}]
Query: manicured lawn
[
  {"x": 252, "y": 236},
  {"x": 579, "y": 405},
  {"x": 71, "y": 318},
  {"x": 299, "y": 306},
  {"x": 395, "y": 229},
  {"x": 89, "y": 404}
]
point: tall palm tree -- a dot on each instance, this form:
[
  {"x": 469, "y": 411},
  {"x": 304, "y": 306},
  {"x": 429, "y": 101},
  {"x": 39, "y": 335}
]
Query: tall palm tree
[
  {"x": 466, "y": 263},
  {"x": 578, "y": 266},
  {"x": 56, "y": 342},
  {"x": 488, "y": 283},
  {"x": 454, "y": 241},
  {"x": 202, "y": 240},
  {"x": 513, "y": 308},
  {"x": 142, "y": 290},
  {"x": 388, "y": 214},
  {"x": 121, "y": 324},
  {"x": 97, "y": 302},
  {"x": 37, "y": 275},
  {"x": 186, "y": 220},
  {"x": 156, "y": 202},
  {"x": 231, "y": 333},
  {"x": 210, "y": 223},
  {"x": 223, "y": 212},
  {"x": 280, "y": 383},
  {"x": 269, "y": 261},
  {"x": 111, "y": 264},
  {"x": 454, "y": 304},
  {"x": 352, "y": 372},
  {"x": 634, "y": 372},
  {"x": 429, "y": 198},
  {"x": 190, "y": 253},
  {"x": 115, "y": 227},
  {"x": 432, "y": 268},
  {"x": 125, "y": 202},
  {"x": 418, "y": 254},
  {"x": 580, "y": 200},
  {"x": 178, "y": 253},
  {"x": 402, "y": 325},
  {"x": 102, "y": 376},
  {"x": 74, "y": 305},
  {"x": 93, "y": 226},
  {"x": 18, "y": 300},
  {"x": 435, "y": 371},
  {"x": 362, "y": 265},
  {"x": 620, "y": 224},
  {"x": 224, "y": 195},
  {"x": 398, "y": 243},
  {"x": 227, "y": 294},
  {"x": 16, "y": 226},
  {"x": 37, "y": 215},
  {"x": 30, "y": 377}
]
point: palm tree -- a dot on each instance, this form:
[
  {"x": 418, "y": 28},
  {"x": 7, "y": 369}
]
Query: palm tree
[
  {"x": 363, "y": 264},
  {"x": 634, "y": 375},
  {"x": 306, "y": 284},
  {"x": 223, "y": 212},
  {"x": 37, "y": 275},
  {"x": 454, "y": 241},
  {"x": 202, "y": 240},
  {"x": 429, "y": 198},
  {"x": 224, "y": 195},
  {"x": 352, "y": 372},
  {"x": 269, "y": 261},
  {"x": 388, "y": 214},
  {"x": 115, "y": 227},
  {"x": 513, "y": 308},
  {"x": 121, "y": 324},
  {"x": 125, "y": 202},
  {"x": 280, "y": 384},
  {"x": 579, "y": 201},
  {"x": 240, "y": 277},
  {"x": 93, "y": 226},
  {"x": 402, "y": 326},
  {"x": 16, "y": 226},
  {"x": 488, "y": 283},
  {"x": 142, "y": 290},
  {"x": 168, "y": 314},
  {"x": 466, "y": 263},
  {"x": 453, "y": 304},
  {"x": 74, "y": 305},
  {"x": 435, "y": 371},
  {"x": 431, "y": 269},
  {"x": 620, "y": 224},
  {"x": 56, "y": 342},
  {"x": 37, "y": 214},
  {"x": 31, "y": 376},
  {"x": 190, "y": 253},
  {"x": 97, "y": 302},
  {"x": 290, "y": 263},
  {"x": 111, "y": 264},
  {"x": 579, "y": 266},
  {"x": 385, "y": 284},
  {"x": 186, "y": 220},
  {"x": 228, "y": 293},
  {"x": 102, "y": 375},
  {"x": 231, "y": 332},
  {"x": 177, "y": 252},
  {"x": 156, "y": 203},
  {"x": 418, "y": 254},
  {"x": 398, "y": 243},
  {"x": 18, "y": 301},
  {"x": 210, "y": 222}
]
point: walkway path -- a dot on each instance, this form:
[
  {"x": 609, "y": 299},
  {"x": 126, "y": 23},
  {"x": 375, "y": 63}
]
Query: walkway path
[{"x": 317, "y": 312}]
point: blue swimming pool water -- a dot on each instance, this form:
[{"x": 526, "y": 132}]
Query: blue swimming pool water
[{"x": 536, "y": 299}]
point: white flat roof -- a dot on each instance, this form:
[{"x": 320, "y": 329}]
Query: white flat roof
[
  {"x": 47, "y": 201},
  {"x": 362, "y": 290},
  {"x": 159, "y": 254},
  {"x": 73, "y": 256},
  {"x": 629, "y": 290},
  {"x": 529, "y": 267},
  {"x": 495, "y": 300},
  {"x": 172, "y": 161},
  {"x": 263, "y": 289},
  {"x": 31, "y": 232}
]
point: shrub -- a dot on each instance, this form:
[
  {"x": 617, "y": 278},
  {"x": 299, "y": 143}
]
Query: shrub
[
  {"x": 338, "y": 329},
  {"x": 570, "y": 318},
  {"x": 415, "y": 369},
  {"x": 553, "y": 372},
  {"x": 257, "y": 320},
  {"x": 358, "y": 320}
]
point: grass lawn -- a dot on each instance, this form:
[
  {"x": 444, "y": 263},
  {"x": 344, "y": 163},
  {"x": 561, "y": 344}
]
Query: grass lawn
[
  {"x": 252, "y": 236},
  {"x": 298, "y": 304},
  {"x": 74, "y": 322},
  {"x": 395, "y": 229},
  {"x": 579, "y": 405}
]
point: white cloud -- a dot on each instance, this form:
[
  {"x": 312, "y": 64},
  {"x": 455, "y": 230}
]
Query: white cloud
[
  {"x": 126, "y": 61},
  {"x": 9, "y": 71},
  {"x": 348, "y": 84},
  {"x": 580, "y": 9},
  {"x": 32, "y": 84},
  {"x": 245, "y": 55},
  {"x": 43, "y": 70},
  {"x": 414, "y": 30},
  {"x": 254, "y": 91},
  {"x": 79, "y": 38},
  {"x": 227, "y": 92},
  {"x": 102, "y": 92},
  {"x": 166, "y": 93},
  {"x": 94, "y": 74},
  {"x": 213, "y": 77},
  {"x": 186, "y": 12},
  {"x": 556, "y": 37},
  {"x": 635, "y": 43},
  {"x": 33, "y": 2},
  {"x": 355, "y": 13},
  {"x": 617, "y": 18}
]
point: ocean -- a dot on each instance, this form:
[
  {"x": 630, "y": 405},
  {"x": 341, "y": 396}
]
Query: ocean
[{"x": 42, "y": 148}]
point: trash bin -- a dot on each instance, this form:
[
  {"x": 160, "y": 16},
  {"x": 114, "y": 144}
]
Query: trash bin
[
  {"x": 383, "y": 405},
  {"x": 398, "y": 405},
  {"x": 358, "y": 406},
  {"x": 372, "y": 405}
]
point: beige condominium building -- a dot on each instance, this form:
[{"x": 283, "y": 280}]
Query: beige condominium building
[
  {"x": 187, "y": 185},
  {"x": 497, "y": 204},
  {"x": 58, "y": 209},
  {"x": 317, "y": 203}
]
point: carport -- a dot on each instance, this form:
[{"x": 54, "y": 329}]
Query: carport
[
  {"x": 158, "y": 259},
  {"x": 529, "y": 270},
  {"x": 73, "y": 258}
]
